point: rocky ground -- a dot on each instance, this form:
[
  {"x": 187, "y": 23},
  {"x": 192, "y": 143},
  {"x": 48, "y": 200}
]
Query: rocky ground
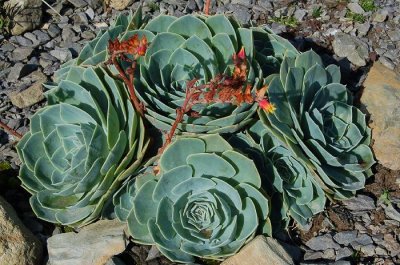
[{"x": 351, "y": 34}]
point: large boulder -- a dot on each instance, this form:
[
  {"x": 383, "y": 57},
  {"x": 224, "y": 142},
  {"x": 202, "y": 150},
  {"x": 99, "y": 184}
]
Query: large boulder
[
  {"x": 28, "y": 18},
  {"x": 261, "y": 251},
  {"x": 95, "y": 244},
  {"x": 381, "y": 100},
  {"x": 18, "y": 246}
]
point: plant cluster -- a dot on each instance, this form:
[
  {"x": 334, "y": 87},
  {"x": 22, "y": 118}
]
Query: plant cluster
[{"x": 245, "y": 134}]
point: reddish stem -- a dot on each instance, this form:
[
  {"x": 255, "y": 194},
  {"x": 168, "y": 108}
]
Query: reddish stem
[
  {"x": 129, "y": 83},
  {"x": 10, "y": 131},
  {"x": 207, "y": 7}
]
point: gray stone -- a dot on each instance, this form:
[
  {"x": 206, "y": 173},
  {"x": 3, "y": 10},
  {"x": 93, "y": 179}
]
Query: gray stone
[
  {"x": 41, "y": 36},
  {"x": 351, "y": 47},
  {"x": 32, "y": 37},
  {"x": 246, "y": 3},
  {"x": 153, "y": 253},
  {"x": 21, "y": 53},
  {"x": 314, "y": 255},
  {"x": 361, "y": 240},
  {"x": 68, "y": 34},
  {"x": 329, "y": 254},
  {"x": 355, "y": 8},
  {"x": 53, "y": 30},
  {"x": 241, "y": 13},
  {"x": 394, "y": 35},
  {"x": 345, "y": 237},
  {"x": 261, "y": 250},
  {"x": 62, "y": 54},
  {"x": 18, "y": 246},
  {"x": 29, "y": 96},
  {"x": 382, "y": 88},
  {"x": 28, "y": 18},
  {"x": 381, "y": 15},
  {"x": 23, "y": 41},
  {"x": 299, "y": 14},
  {"x": 387, "y": 62},
  {"x": 360, "y": 203},
  {"x": 20, "y": 70},
  {"x": 90, "y": 13},
  {"x": 368, "y": 250},
  {"x": 95, "y": 244},
  {"x": 362, "y": 29},
  {"x": 322, "y": 243},
  {"x": 78, "y": 3},
  {"x": 392, "y": 213},
  {"x": 343, "y": 253}
]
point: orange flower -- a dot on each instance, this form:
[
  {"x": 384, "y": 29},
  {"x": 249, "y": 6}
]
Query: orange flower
[
  {"x": 133, "y": 45},
  {"x": 266, "y": 106}
]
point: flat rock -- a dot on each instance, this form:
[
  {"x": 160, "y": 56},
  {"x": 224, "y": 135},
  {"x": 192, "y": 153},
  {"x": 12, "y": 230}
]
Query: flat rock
[
  {"x": 261, "y": 251},
  {"x": 119, "y": 4},
  {"x": 18, "y": 246},
  {"x": 322, "y": 243},
  {"x": 345, "y": 45},
  {"x": 95, "y": 244},
  {"x": 381, "y": 100},
  {"x": 360, "y": 203},
  {"x": 345, "y": 237},
  {"x": 29, "y": 96},
  {"x": 21, "y": 53},
  {"x": 355, "y": 8}
]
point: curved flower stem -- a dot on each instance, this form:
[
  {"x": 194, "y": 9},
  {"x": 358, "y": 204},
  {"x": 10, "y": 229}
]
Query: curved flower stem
[
  {"x": 10, "y": 131},
  {"x": 129, "y": 83},
  {"x": 207, "y": 7}
]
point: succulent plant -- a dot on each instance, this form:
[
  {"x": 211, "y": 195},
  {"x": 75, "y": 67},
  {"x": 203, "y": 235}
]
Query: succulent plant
[
  {"x": 80, "y": 147},
  {"x": 185, "y": 48},
  {"x": 294, "y": 191},
  {"x": 315, "y": 118},
  {"x": 205, "y": 201},
  {"x": 196, "y": 47}
]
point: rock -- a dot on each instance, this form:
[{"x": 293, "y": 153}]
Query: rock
[
  {"x": 299, "y": 14},
  {"x": 362, "y": 29},
  {"x": 381, "y": 15},
  {"x": 382, "y": 88},
  {"x": 360, "y": 203},
  {"x": 18, "y": 246},
  {"x": 53, "y": 30},
  {"x": 322, "y": 243},
  {"x": 343, "y": 253},
  {"x": 355, "y": 8},
  {"x": 29, "y": 96},
  {"x": 95, "y": 244},
  {"x": 390, "y": 243},
  {"x": 345, "y": 238},
  {"x": 21, "y": 53},
  {"x": 313, "y": 255},
  {"x": 368, "y": 250},
  {"x": 62, "y": 54},
  {"x": 20, "y": 70},
  {"x": 362, "y": 240},
  {"x": 261, "y": 250},
  {"x": 345, "y": 45},
  {"x": 28, "y": 18},
  {"x": 392, "y": 213},
  {"x": 78, "y": 3},
  {"x": 394, "y": 35},
  {"x": 387, "y": 62},
  {"x": 118, "y": 4},
  {"x": 153, "y": 253},
  {"x": 241, "y": 13}
]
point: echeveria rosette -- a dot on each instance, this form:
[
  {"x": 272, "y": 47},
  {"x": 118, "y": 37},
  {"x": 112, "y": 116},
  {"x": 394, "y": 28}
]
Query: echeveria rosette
[
  {"x": 80, "y": 148},
  {"x": 200, "y": 47},
  {"x": 205, "y": 202},
  {"x": 290, "y": 183},
  {"x": 316, "y": 119}
]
